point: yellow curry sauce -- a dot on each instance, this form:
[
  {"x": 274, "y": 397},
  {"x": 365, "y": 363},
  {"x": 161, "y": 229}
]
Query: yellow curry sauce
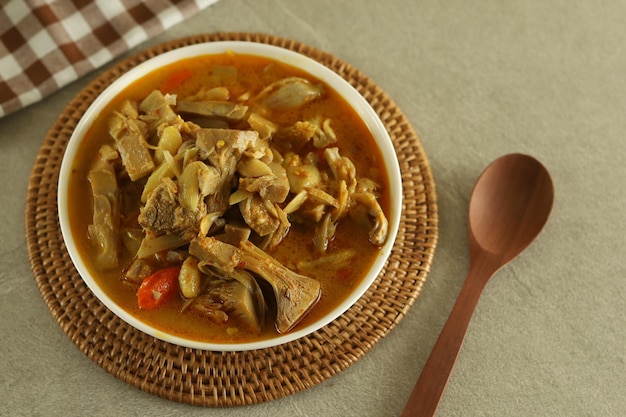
[{"x": 240, "y": 74}]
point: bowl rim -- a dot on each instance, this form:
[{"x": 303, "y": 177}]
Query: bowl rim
[{"x": 295, "y": 59}]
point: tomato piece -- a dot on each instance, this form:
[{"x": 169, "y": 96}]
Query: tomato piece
[
  {"x": 158, "y": 288},
  {"x": 175, "y": 80}
]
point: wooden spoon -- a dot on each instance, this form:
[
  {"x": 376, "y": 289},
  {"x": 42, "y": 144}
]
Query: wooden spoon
[{"x": 510, "y": 204}]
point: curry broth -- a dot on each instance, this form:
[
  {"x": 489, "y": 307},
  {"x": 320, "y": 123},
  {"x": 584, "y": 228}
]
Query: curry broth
[{"x": 252, "y": 74}]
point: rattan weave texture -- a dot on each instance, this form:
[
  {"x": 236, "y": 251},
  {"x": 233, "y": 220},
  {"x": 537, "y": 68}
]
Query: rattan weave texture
[{"x": 215, "y": 379}]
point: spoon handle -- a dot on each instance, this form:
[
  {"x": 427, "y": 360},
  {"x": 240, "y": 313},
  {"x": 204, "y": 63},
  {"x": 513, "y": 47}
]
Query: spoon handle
[{"x": 429, "y": 388}]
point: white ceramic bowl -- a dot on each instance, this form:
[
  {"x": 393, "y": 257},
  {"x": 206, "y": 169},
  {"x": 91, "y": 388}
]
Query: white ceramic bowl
[{"x": 294, "y": 59}]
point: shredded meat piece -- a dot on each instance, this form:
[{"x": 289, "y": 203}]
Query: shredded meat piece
[
  {"x": 164, "y": 214},
  {"x": 295, "y": 293},
  {"x": 211, "y": 108},
  {"x": 130, "y": 137},
  {"x": 259, "y": 215}
]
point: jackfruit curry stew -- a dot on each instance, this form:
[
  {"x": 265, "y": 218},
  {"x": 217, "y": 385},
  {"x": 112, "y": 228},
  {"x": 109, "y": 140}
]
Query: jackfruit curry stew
[{"x": 228, "y": 199}]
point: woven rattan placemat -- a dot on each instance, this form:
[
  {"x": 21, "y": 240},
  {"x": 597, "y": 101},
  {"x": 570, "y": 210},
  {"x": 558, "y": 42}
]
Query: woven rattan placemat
[{"x": 231, "y": 378}]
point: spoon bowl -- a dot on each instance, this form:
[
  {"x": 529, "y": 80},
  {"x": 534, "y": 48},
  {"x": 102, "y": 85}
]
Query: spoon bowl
[{"x": 510, "y": 204}]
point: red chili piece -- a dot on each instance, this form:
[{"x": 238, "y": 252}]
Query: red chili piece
[
  {"x": 175, "y": 80},
  {"x": 157, "y": 288}
]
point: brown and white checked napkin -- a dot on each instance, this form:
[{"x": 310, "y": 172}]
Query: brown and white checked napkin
[{"x": 46, "y": 44}]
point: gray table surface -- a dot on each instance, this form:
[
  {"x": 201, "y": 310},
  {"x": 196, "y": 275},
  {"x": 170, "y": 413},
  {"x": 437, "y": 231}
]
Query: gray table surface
[{"x": 477, "y": 79}]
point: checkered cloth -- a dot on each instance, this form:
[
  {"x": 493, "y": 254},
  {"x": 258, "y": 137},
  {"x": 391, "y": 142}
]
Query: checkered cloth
[{"x": 46, "y": 44}]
